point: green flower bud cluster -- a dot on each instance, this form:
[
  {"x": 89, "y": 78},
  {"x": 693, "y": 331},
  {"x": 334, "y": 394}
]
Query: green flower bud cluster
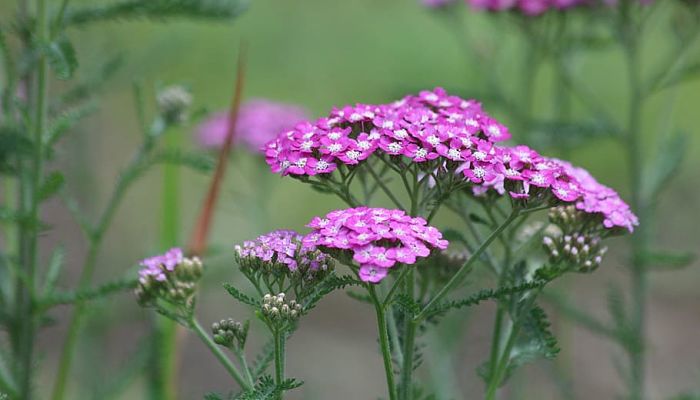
[
  {"x": 571, "y": 220},
  {"x": 171, "y": 278},
  {"x": 230, "y": 333},
  {"x": 582, "y": 252},
  {"x": 173, "y": 103},
  {"x": 277, "y": 308}
]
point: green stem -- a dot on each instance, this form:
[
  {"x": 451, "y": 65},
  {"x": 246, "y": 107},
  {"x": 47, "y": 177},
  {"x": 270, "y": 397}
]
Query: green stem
[
  {"x": 496, "y": 341},
  {"x": 244, "y": 364},
  {"x": 30, "y": 235},
  {"x": 279, "y": 358},
  {"x": 641, "y": 240},
  {"x": 409, "y": 338},
  {"x": 457, "y": 278},
  {"x": 384, "y": 342},
  {"x": 163, "y": 382},
  {"x": 384, "y": 187},
  {"x": 219, "y": 354},
  {"x": 502, "y": 365}
]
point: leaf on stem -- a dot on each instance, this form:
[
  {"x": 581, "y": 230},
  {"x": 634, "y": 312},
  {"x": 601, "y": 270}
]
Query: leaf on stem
[
  {"x": 666, "y": 260},
  {"x": 157, "y": 10},
  {"x": 266, "y": 389},
  {"x": 61, "y": 57},
  {"x": 14, "y": 144},
  {"x": 263, "y": 359},
  {"x": 54, "y": 270},
  {"x": 483, "y": 295},
  {"x": 79, "y": 296},
  {"x": 51, "y": 185},
  {"x": 240, "y": 296},
  {"x": 63, "y": 123},
  {"x": 659, "y": 171},
  {"x": 329, "y": 284}
]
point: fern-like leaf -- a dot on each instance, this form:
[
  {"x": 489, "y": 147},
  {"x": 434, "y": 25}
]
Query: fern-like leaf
[
  {"x": 88, "y": 294},
  {"x": 240, "y": 296},
  {"x": 325, "y": 287},
  {"x": 485, "y": 294},
  {"x": 156, "y": 10}
]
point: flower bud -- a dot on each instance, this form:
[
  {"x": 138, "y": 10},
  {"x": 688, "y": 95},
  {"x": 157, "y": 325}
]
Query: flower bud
[{"x": 173, "y": 103}]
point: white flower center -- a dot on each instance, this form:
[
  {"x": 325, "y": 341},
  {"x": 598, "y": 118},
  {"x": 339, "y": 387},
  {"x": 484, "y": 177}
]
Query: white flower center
[
  {"x": 480, "y": 155},
  {"x": 321, "y": 165},
  {"x": 395, "y": 147},
  {"x": 353, "y": 154},
  {"x": 307, "y": 145}
]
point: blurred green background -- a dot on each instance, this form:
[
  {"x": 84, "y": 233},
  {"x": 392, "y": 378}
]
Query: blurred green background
[{"x": 320, "y": 53}]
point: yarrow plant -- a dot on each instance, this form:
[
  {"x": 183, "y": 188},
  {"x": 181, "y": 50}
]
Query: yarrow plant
[
  {"x": 562, "y": 35},
  {"x": 441, "y": 150}
]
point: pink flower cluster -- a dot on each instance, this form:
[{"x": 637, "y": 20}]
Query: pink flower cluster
[
  {"x": 259, "y": 121},
  {"x": 157, "y": 267},
  {"x": 600, "y": 199},
  {"x": 537, "y": 7},
  {"x": 436, "y": 3},
  {"x": 428, "y": 126},
  {"x": 527, "y": 7},
  {"x": 284, "y": 247},
  {"x": 378, "y": 238},
  {"x": 436, "y": 126}
]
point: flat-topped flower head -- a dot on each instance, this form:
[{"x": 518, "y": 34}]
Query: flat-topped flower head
[
  {"x": 531, "y": 178},
  {"x": 376, "y": 239},
  {"x": 431, "y": 127},
  {"x": 259, "y": 121},
  {"x": 280, "y": 257},
  {"x": 171, "y": 277},
  {"x": 537, "y": 7}
]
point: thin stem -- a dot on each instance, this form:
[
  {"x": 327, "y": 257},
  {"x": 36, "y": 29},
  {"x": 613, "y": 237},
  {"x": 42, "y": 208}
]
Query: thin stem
[
  {"x": 244, "y": 364},
  {"x": 409, "y": 338},
  {"x": 496, "y": 341},
  {"x": 384, "y": 342},
  {"x": 163, "y": 382},
  {"x": 497, "y": 377},
  {"x": 397, "y": 283},
  {"x": 219, "y": 354},
  {"x": 279, "y": 358},
  {"x": 640, "y": 241},
  {"x": 457, "y": 278},
  {"x": 384, "y": 187}
]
